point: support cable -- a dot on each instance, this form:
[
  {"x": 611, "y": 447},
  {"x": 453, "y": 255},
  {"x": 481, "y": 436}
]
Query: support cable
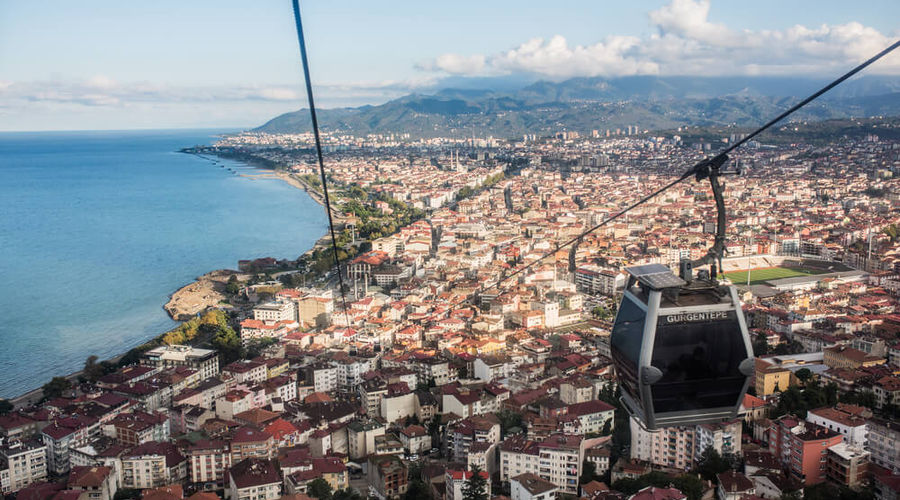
[{"x": 315, "y": 127}]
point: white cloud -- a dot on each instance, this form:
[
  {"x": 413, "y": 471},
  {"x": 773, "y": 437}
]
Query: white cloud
[
  {"x": 555, "y": 57},
  {"x": 686, "y": 42},
  {"x": 456, "y": 64}
]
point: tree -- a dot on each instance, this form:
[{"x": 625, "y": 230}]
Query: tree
[
  {"x": 509, "y": 419},
  {"x": 92, "y": 370},
  {"x": 711, "y": 464},
  {"x": 831, "y": 391},
  {"x": 5, "y": 407},
  {"x": 56, "y": 387},
  {"x": 233, "y": 286},
  {"x": 347, "y": 494},
  {"x": 417, "y": 490},
  {"x": 127, "y": 493},
  {"x": 760, "y": 346},
  {"x": 475, "y": 488},
  {"x": 607, "y": 428},
  {"x": 689, "y": 484},
  {"x": 803, "y": 375},
  {"x": 319, "y": 488},
  {"x": 588, "y": 472}
]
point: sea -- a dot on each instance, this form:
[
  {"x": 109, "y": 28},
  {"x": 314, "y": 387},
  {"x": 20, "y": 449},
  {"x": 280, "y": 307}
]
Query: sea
[{"x": 97, "y": 229}]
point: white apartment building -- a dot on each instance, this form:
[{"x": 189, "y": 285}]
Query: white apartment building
[
  {"x": 575, "y": 391},
  {"x": 153, "y": 465},
  {"x": 205, "y": 361},
  {"x": 596, "y": 280},
  {"x": 275, "y": 311},
  {"x": 884, "y": 443},
  {"x": 670, "y": 446},
  {"x": 488, "y": 368},
  {"x": 247, "y": 372},
  {"x": 324, "y": 377},
  {"x": 531, "y": 487},
  {"x": 557, "y": 460},
  {"x": 22, "y": 464},
  {"x": 724, "y": 438},
  {"x": 852, "y": 428},
  {"x": 437, "y": 370},
  {"x": 349, "y": 372}
]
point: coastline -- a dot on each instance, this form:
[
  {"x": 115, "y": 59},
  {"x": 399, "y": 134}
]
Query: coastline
[
  {"x": 196, "y": 297},
  {"x": 208, "y": 290}
]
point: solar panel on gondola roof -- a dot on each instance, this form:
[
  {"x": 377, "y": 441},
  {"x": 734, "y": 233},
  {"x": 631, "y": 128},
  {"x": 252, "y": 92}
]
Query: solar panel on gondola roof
[{"x": 656, "y": 276}]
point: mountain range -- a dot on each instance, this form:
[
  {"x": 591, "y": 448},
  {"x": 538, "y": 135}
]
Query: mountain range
[{"x": 586, "y": 104}]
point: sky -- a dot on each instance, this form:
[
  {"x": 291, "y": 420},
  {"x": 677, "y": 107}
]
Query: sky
[{"x": 109, "y": 64}]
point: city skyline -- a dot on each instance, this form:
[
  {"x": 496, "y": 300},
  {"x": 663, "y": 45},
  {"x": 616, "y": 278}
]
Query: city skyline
[{"x": 155, "y": 66}]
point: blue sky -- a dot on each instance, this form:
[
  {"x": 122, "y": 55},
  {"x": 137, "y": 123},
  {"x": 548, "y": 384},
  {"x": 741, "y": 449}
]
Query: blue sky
[{"x": 106, "y": 64}]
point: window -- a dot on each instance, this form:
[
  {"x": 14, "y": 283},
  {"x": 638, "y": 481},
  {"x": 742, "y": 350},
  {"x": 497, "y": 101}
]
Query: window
[
  {"x": 699, "y": 361},
  {"x": 625, "y": 342}
]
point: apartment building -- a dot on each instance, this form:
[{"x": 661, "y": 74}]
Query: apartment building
[
  {"x": 847, "y": 465},
  {"x": 884, "y": 443},
  {"x": 95, "y": 483},
  {"x": 208, "y": 462},
  {"x": 669, "y": 447},
  {"x": 138, "y": 427},
  {"x": 802, "y": 447},
  {"x": 275, "y": 311},
  {"x": 152, "y": 465},
  {"x": 596, "y": 280},
  {"x": 556, "y": 459},
  {"x": 842, "y": 419},
  {"x": 477, "y": 429},
  {"x": 21, "y": 464},
  {"x": 254, "y": 479},
  {"x": 205, "y": 361}
]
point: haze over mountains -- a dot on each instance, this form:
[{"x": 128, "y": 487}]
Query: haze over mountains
[{"x": 585, "y": 104}]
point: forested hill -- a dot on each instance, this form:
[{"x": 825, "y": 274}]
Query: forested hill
[{"x": 585, "y": 104}]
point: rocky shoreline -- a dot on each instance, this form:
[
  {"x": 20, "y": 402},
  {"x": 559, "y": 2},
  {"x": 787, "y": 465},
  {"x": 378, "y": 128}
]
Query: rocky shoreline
[
  {"x": 208, "y": 290},
  {"x": 194, "y": 298}
]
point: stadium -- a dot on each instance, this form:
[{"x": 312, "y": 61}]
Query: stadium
[{"x": 786, "y": 273}]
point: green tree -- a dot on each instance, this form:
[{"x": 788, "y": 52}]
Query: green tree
[
  {"x": 588, "y": 472},
  {"x": 607, "y": 428},
  {"x": 417, "y": 490},
  {"x": 127, "y": 494},
  {"x": 5, "y": 407},
  {"x": 347, "y": 494},
  {"x": 475, "y": 488},
  {"x": 233, "y": 286},
  {"x": 791, "y": 401},
  {"x": 760, "y": 346},
  {"x": 228, "y": 343},
  {"x": 831, "y": 394},
  {"x": 319, "y": 488},
  {"x": 92, "y": 370},
  {"x": 56, "y": 387},
  {"x": 509, "y": 419},
  {"x": 804, "y": 375},
  {"x": 711, "y": 464},
  {"x": 792, "y": 348},
  {"x": 690, "y": 485}
]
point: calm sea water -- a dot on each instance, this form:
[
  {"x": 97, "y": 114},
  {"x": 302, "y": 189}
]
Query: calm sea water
[{"x": 98, "y": 228}]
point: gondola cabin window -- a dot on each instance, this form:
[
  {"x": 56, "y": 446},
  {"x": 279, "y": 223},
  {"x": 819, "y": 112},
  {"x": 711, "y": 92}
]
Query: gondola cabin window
[{"x": 699, "y": 361}]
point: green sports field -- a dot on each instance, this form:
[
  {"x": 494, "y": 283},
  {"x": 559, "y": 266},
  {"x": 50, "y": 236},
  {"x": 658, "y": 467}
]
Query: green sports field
[{"x": 758, "y": 276}]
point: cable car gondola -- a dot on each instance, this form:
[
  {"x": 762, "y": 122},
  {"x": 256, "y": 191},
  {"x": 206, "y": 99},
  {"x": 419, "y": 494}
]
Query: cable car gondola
[
  {"x": 682, "y": 351},
  {"x": 680, "y": 346}
]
